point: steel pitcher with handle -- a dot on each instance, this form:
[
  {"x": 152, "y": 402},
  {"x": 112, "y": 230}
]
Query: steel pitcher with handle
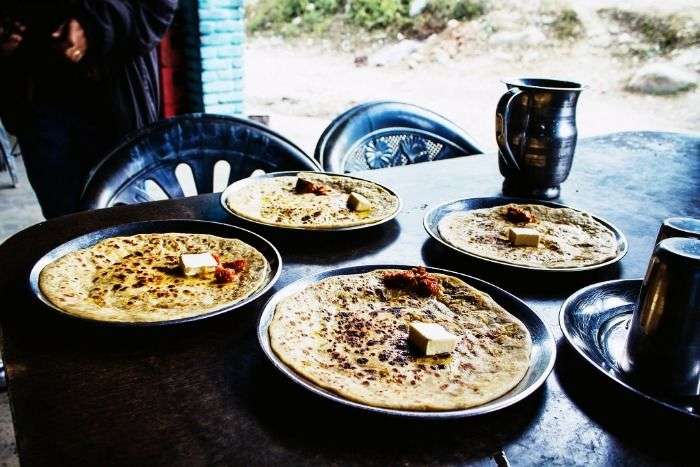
[{"x": 536, "y": 135}]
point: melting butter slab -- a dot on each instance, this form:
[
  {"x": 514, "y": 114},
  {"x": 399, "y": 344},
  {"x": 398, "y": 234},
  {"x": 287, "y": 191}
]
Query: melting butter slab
[
  {"x": 197, "y": 263},
  {"x": 431, "y": 338},
  {"x": 357, "y": 202},
  {"x": 522, "y": 236}
]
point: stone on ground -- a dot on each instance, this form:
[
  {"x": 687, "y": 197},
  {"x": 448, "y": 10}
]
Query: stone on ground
[
  {"x": 527, "y": 37},
  {"x": 416, "y": 7},
  {"x": 688, "y": 58},
  {"x": 394, "y": 53},
  {"x": 662, "y": 79}
]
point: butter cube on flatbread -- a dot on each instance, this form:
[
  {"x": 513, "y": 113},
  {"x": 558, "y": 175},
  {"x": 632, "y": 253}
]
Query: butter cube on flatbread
[
  {"x": 357, "y": 202},
  {"x": 197, "y": 263},
  {"x": 523, "y": 236},
  {"x": 431, "y": 338}
]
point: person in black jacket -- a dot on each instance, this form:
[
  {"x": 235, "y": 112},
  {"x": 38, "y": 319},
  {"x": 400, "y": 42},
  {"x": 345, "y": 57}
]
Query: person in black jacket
[{"x": 75, "y": 76}]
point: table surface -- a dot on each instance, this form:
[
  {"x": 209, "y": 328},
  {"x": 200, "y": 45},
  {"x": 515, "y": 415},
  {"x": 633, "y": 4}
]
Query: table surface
[{"x": 203, "y": 393}]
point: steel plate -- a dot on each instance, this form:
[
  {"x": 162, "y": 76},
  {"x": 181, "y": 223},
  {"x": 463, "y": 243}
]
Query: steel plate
[
  {"x": 241, "y": 184},
  {"x": 595, "y": 319},
  {"x": 434, "y": 216},
  {"x": 541, "y": 359},
  {"x": 165, "y": 226}
]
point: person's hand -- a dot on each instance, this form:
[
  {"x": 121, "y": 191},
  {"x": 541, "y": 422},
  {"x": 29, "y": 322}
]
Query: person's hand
[
  {"x": 72, "y": 40},
  {"x": 11, "y": 39}
]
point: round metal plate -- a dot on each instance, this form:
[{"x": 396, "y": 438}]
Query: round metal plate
[
  {"x": 541, "y": 359},
  {"x": 434, "y": 216},
  {"x": 175, "y": 226},
  {"x": 594, "y": 320},
  {"x": 242, "y": 184}
]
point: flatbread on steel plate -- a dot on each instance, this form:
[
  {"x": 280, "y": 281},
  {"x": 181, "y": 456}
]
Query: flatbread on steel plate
[
  {"x": 137, "y": 278},
  {"x": 348, "y": 334},
  {"x": 570, "y": 238},
  {"x": 275, "y": 201}
]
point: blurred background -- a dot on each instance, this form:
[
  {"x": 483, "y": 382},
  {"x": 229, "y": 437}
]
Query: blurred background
[{"x": 308, "y": 60}]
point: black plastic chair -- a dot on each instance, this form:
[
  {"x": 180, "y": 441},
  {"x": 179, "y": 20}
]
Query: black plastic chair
[
  {"x": 186, "y": 155},
  {"x": 382, "y": 134}
]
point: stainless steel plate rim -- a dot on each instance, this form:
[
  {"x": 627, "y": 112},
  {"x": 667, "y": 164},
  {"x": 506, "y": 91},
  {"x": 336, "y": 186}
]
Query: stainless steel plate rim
[
  {"x": 547, "y": 345},
  {"x": 432, "y": 230},
  {"x": 245, "y": 181},
  {"x": 566, "y": 307},
  {"x": 51, "y": 256}
]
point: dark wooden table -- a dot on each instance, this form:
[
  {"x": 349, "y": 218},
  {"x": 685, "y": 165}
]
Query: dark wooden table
[{"x": 203, "y": 393}]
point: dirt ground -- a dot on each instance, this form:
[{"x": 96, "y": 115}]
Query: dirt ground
[{"x": 302, "y": 84}]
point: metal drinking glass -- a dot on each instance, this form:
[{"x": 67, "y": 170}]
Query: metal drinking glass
[
  {"x": 663, "y": 345},
  {"x": 679, "y": 227},
  {"x": 536, "y": 135}
]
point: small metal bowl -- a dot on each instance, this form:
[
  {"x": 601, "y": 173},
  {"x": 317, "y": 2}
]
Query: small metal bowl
[
  {"x": 436, "y": 214},
  {"x": 241, "y": 184},
  {"x": 542, "y": 356},
  {"x": 177, "y": 226}
]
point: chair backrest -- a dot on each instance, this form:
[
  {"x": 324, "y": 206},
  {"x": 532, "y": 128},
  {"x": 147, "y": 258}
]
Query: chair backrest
[
  {"x": 381, "y": 134},
  {"x": 187, "y": 155}
]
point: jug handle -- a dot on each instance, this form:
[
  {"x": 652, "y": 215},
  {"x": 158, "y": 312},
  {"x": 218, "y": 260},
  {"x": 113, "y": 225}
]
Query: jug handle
[{"x": 503, "y": 109}]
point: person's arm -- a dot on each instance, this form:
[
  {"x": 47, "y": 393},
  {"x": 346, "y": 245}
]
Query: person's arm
[{"x": 124, "y": 28}]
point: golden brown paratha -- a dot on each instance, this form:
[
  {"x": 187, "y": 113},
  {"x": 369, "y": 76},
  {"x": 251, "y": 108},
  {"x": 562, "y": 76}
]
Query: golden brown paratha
[
  {"x": 275, "y": 201},
  {"x": 348, "y": 334},
  {"x": 137, "y": 278},
  {"x": 569, "y": 238}
]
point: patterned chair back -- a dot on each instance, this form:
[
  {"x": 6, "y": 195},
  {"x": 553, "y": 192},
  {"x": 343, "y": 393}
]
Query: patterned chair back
[
  {"x": 375, "y": 135},
  {"x": 189, "y": 155}
]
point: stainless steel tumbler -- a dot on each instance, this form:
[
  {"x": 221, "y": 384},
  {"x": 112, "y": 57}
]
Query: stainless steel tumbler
[
  {"x": 679, "y": 227},
  {"x": 663, "y": 346}
]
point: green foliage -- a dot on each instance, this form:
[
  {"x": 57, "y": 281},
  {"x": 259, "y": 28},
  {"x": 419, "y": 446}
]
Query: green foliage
[
  {"x": 567, "y": 25},
  {"x": 279, "y": 14},
  {"x": 291, "y": 17},
  {"x": 465, "y": 10},
  {"x": 667, "y": 32},
  {"x": 373, "y": 14},
  {"x": 439, "y": 12}
]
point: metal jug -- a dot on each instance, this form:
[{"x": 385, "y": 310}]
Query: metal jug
[{"x": 536, "y": 135}]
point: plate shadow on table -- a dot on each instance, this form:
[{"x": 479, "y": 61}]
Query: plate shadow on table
[
  {"x": 320, "y": 429},
  {"x": 327, "y": 248},
  {"x": 74, "y": 333},
  {"x": 535, "y": 284},
  {"x": 660, "y": 433}
]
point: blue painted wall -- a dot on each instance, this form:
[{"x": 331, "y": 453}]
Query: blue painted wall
[{"x": 215, "y": 31}]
